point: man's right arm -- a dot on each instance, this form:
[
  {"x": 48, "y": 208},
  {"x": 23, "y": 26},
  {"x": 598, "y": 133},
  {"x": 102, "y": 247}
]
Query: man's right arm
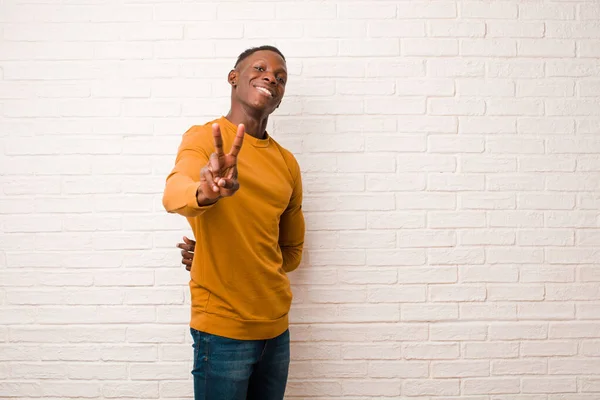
[{"x": 181, "y": 189}]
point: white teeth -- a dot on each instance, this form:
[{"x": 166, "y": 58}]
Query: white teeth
[{"x": 265, "y": 91}]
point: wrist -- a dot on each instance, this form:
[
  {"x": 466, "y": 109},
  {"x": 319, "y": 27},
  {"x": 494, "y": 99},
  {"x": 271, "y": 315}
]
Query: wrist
[{"x": 204, "y": 201}]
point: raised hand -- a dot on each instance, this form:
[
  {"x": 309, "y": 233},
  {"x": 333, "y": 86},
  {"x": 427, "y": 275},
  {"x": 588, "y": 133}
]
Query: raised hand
[{"x": 219, "y": 177}]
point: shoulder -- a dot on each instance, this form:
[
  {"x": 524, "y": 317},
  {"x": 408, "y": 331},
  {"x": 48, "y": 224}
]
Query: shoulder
[
  {"x": 290, "y": 160},
  {"x": 198, "y": 136},
  {"x": 199, "y": 132}
]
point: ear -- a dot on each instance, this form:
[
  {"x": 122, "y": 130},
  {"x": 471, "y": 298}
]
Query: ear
[{"x": 232, "y": 77}]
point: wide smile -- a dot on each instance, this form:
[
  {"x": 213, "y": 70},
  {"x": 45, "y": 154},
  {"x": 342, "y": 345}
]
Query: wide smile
[{"x": 265, "y": 91}]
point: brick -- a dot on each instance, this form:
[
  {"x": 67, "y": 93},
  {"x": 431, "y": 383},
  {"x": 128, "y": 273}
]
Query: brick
[
  {"x": 587, "y": 311},
  {"x": 427, "y": 275},
  {"x": 515, "y": 182},
  {"x": 548, "y": 348},
  {"x": 489, "y": 201},
  {"x": 488, "y": 47},
  {"x": 426, "y": 201},
  {"x": 455, "y": 68},
  {"x": 358, "y": 276},
  {"x": 516, "y": 29},
  {"x": 458, "y": 331},
  {"x": 424, "y": 9},
  {"x": 428, "y": 313},
  {"x": 415, "y": 238},
  {"x": 514, "y": 107},
  {"x": 469, "y": 219},
  {"x": 491, "y": 350},
  {"x": 570, "y": 68},
  {"x": 516, "y": 292},
  {"x": 369, "y": 47},
  {"x": 148, "y": 390},
  {"x": 456, "y": 256},
  {"x": 549, "y": 385},
  {"x": 395, "y": 220},
  {"x": 391, "y": 294},
  {"x": 455, "y": 182},
  {"x": 362, "y": 87},
  {"x": 590, "y": 385},
  {"x": 369, "y": 313},
  {"x": 569, "y": 330},
  {"x": 588, "y": 348},
  {"x": 431, "y": 351},
  {"x": 406, "y": 144},
  {"x": 395, "y": 105},
  {"x": 456, "y": 107},
  {"x": 547, "y": 273},
  {"x": 490, "y": 385},
  {"x": 431, "y": 387},
  {"x": 504, "y": 273},
  {"x": 519, "y": 330},
  {"x": 485, "y": 87},
  {"x": 545, "y": 238},
  {"x": 371, "y": 388},
  {"x": 372, "y": 352},
  {"x": 357, "y": 10},
  {"x": 429, "y": 47},
  {"x": 395, "y": 68},
  {"x": 371, "y": 333},
  {"x": 398, "y": 369},
  {"x": 402, "y": 257},
  {"x": 588, "y": 48},
  {"x": 310, "y": 10},
  {"x": 452, "y": 144},
  {"x": 554, "y": 126},
  {"x": 547, "y": 164},
  {"x": 565, "y": 292},
  {"x": 352, "y": 295},
  {"x": 546, "y": 311},
  {"x": 571, "y": 256},
  {"x": 558, "y": 11},
  {"x": 361, "y": 123},
  {"x": 312, "y": 388},
  {"x": 577, "y": 107},
  {"x": 335, "y": 369},
  {"x": 493, "y": 312},
  {"x": 460, "y": 369},
  {"x": 471, "y": 29},
  {"x": 515, "y": 69},
  {"x": 484, "y": 10}
]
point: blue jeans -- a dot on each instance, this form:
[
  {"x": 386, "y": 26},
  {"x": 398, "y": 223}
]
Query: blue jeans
[{"x": 230, "y": 369}]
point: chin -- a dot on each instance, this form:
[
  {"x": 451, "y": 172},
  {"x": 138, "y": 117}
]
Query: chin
[{"x": 263, "y": 107}]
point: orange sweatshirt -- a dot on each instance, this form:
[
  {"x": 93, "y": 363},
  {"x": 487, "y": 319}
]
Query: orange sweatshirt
[{"x": 246, "y": 243}]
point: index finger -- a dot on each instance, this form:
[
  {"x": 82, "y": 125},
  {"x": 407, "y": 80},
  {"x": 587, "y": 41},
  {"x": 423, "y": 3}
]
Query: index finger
[
  {"x": 216, "y": 131},
  {"x": 238, "y": 141}
]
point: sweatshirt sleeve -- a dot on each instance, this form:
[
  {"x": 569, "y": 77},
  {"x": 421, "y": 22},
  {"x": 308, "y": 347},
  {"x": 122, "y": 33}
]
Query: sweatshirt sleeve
[
  {"x": 182, "y": 183},
  {"x": 291, "y": 223}
]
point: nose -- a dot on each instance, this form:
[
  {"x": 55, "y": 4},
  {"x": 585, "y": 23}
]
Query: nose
[{"x": 269, "y": 77}]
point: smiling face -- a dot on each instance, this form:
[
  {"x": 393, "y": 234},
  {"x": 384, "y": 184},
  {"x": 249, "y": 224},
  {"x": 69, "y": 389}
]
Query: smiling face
[{"x": 259, "y": 81}]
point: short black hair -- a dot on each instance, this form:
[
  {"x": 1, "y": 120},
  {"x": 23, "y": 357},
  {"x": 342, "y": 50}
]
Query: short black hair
[{"x": 246, "y": 53}]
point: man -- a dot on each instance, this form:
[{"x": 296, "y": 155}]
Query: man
[{"x": 245, "y": 210}]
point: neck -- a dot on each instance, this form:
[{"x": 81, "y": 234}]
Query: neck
[{"x": 255, "y": 125}]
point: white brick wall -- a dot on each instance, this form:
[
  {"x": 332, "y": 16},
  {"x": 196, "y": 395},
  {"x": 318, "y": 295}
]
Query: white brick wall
[{"x": 450, "y": 152}]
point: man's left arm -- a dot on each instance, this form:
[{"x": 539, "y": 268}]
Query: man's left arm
[{"x": 291, "y": 225}]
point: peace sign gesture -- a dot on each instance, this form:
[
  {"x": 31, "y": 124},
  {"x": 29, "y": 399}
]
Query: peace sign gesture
[{"x": 219, "y": 177}]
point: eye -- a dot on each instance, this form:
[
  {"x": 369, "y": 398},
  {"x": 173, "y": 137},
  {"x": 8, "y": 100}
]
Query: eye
[
  {"x": 261, "y": 69},
  {"x": 281, "y": 80}
]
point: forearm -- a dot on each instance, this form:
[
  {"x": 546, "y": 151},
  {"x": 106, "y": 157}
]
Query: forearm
[
  {"x": 292, "y": 256},
  {"x": 181, "y": 196}
]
